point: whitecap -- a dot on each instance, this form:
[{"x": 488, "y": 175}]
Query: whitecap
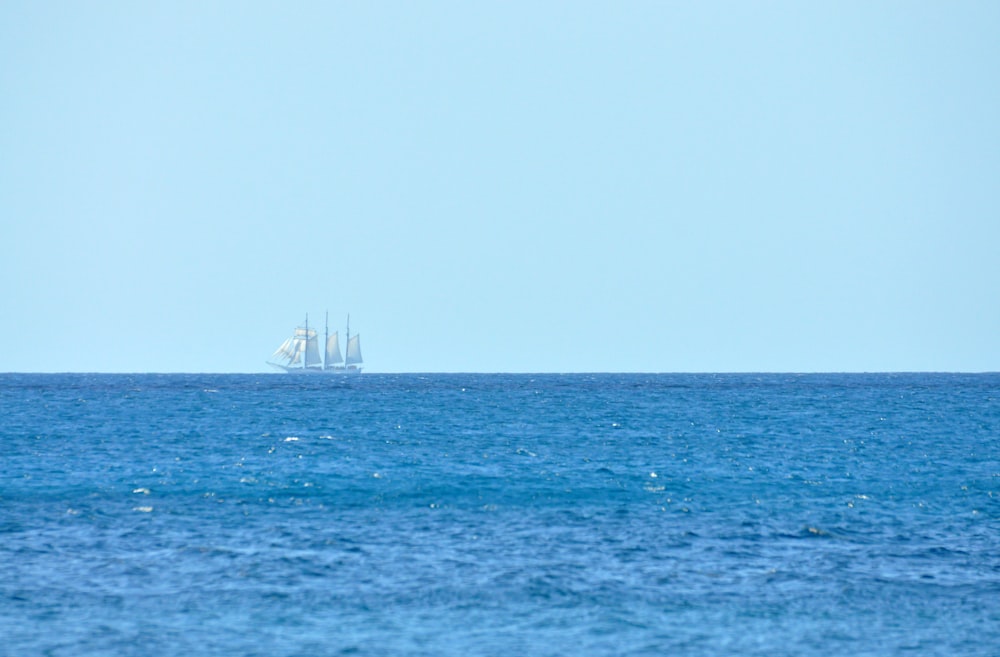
[
  {"x": 291, "y": 439},
  {"x": 143, "y": 509},
  {"x": 144, "y": 491}
]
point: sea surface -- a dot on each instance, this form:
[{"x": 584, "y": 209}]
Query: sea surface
[{"x": 470, "y": 514}]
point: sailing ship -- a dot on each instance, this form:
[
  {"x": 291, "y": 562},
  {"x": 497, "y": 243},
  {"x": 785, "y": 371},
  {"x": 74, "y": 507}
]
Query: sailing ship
[{"x": 301, "y": 352}]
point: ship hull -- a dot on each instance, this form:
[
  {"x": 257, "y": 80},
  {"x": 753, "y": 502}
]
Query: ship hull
[{"x": 318, "y": 370}]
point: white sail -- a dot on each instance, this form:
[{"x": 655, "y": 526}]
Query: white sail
[
  {"x": 290, "y": 352},
  {"x": 313, "y": 358},
  {"x": 306, "y": 347},
  {"x": 284, "y": 352},
  {"x": 333, "y": 356},
  {"x": 302, "y": 347},
  {"x": 353, "y": 350}
]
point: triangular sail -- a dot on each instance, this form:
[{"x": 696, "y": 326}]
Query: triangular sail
[
  {"x": 333, "y": 356},
  {"x": 353, "y": 350},
  {"x": 285, "y": 351},
  {"x": 290, "y": 352}
]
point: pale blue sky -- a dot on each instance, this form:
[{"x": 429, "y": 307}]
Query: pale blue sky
[{"x": 503, "y": 186}]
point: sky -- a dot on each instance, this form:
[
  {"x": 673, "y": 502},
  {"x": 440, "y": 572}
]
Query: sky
[{"x": 501, "y": 186}]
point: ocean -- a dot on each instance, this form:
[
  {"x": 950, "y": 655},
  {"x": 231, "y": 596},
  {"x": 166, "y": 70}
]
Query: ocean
[{"x": 472, "y": 514}]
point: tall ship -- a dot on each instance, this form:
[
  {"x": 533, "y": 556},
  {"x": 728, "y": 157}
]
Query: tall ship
[{"x": 301, "y": 352}]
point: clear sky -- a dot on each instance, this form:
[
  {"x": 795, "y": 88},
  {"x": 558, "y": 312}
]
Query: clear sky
[{"x": 501, "y": 186}]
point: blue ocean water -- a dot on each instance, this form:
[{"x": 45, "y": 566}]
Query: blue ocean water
[{"x": 500, "y": 514}]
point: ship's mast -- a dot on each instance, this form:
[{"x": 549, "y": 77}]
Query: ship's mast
[
  {"x": 326, "y": 339},
  {"x": 305, "y": 350}
]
